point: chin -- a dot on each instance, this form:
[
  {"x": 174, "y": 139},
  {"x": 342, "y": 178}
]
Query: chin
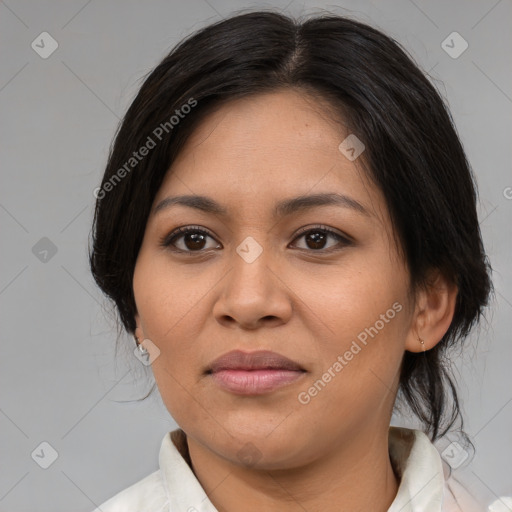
[{"x": 262, "y": 445}]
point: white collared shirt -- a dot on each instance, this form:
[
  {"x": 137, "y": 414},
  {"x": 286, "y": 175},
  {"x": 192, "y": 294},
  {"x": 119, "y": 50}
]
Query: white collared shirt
[{"x": 422, "y": 488}]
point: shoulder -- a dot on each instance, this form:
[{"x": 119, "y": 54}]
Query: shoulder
[{"x": 146, "y": 495}]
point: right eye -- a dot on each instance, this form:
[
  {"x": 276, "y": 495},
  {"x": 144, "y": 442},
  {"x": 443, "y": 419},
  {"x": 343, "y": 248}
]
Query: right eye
[{"x": 194, "y": 238}]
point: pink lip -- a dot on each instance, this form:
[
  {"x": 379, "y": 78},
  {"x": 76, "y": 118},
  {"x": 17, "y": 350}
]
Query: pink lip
[{"x": 254, "y": 373}]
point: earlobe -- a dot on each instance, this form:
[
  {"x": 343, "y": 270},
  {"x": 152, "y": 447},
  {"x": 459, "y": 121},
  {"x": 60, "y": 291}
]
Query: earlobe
[
  {"x": 138, "y": 333},
  {"x": 435, "y": 307}
]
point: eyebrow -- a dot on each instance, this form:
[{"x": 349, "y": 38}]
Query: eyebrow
[{"x": 283, "y": 208}]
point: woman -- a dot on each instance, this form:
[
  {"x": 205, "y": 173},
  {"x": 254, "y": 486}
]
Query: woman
[{"x": 287, "y": 225}]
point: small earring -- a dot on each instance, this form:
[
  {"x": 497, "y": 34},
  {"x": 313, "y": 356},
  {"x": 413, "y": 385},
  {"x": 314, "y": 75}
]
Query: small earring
[
  {"x": 141, "y": 348},
  {"x": 422, "y": 343}
]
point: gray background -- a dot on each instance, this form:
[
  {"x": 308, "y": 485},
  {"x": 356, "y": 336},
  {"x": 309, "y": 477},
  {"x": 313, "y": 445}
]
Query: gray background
[{"x": 60, "y": 379}]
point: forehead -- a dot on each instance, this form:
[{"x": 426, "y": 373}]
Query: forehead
[
  {"x": 266, "y": 124},
  {"x": 266, "y": 147}
]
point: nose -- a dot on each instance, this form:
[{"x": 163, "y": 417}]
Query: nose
[{"x": 254, "y": 293}]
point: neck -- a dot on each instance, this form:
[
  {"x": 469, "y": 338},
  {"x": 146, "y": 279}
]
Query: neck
[{"x": 354, "y": 476}]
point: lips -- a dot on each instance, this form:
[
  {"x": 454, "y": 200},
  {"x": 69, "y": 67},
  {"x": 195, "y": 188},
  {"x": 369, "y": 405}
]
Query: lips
[
  {"x": 254, "y": 373},
  {"x": 261, "y": 360}
]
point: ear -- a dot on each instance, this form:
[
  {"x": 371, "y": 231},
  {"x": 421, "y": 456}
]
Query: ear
[{"x": 433, "y": 314}]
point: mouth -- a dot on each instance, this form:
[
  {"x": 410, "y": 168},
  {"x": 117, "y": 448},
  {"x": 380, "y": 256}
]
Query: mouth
[{"x": 254, "y": 373}]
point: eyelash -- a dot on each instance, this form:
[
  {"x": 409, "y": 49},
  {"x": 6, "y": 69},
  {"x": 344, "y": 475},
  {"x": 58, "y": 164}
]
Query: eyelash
[{"x": 168, "y": 240}]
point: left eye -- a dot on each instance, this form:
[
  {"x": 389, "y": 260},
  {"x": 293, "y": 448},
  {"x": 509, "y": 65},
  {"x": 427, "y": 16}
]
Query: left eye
[
  {"x": 316, "y": 238},
  {"x": 194, "y": 239}
]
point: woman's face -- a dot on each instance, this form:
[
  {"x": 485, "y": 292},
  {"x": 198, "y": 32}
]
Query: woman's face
[{"x": 262, "y": 278}]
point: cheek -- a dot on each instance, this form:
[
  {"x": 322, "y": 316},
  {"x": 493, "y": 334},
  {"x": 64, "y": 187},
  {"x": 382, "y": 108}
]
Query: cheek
[
  {"x": 166, "y": 298},
  {"x": 360, "y": 320},
  {"x": 170, "y": 304},
  {"x": 340, "y": 301}
]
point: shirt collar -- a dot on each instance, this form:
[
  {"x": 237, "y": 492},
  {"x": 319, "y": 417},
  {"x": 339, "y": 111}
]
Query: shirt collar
[
  {"x": 184, "y": 492},
  {"x": 415, "y": 460},
  {"x": 418, "y": 465}
]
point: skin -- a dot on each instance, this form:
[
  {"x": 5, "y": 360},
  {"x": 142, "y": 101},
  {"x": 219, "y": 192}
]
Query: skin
[{"x": 307, "y": 304}]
